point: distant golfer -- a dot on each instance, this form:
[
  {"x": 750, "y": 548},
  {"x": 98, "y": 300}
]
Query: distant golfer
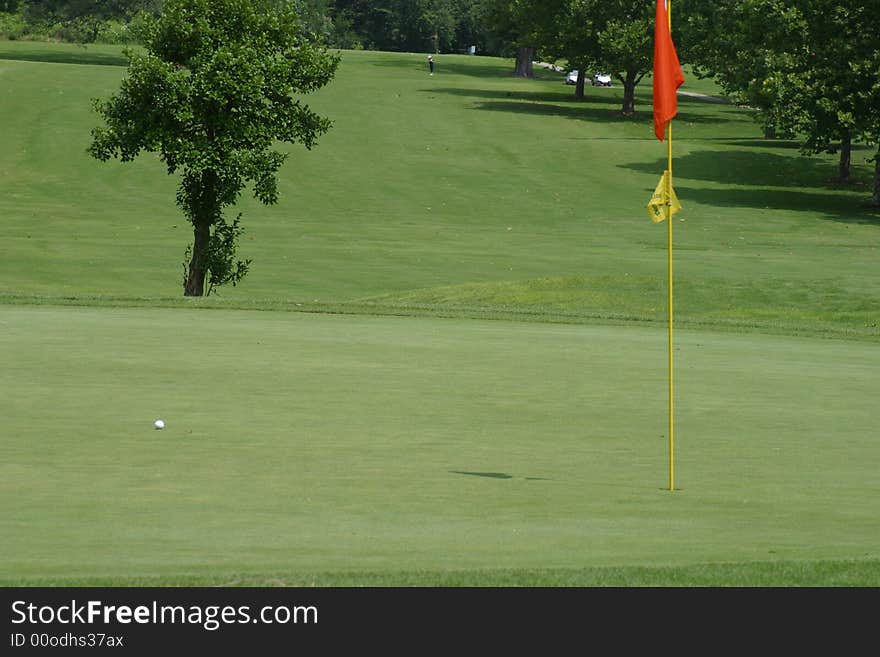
[{"x": 431, "y": 63}]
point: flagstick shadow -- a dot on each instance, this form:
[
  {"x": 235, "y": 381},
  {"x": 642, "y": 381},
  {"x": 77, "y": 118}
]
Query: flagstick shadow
[{"x": 495, "y": 475}]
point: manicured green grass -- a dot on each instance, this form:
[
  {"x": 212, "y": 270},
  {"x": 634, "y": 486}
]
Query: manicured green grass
[
  {"x": 401, "y": 429},
  {"x": 300, "y": 444}
]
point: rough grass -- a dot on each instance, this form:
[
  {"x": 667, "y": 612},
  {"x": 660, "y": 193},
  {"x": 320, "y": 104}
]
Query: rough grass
[{"x": 852, "y": 574}]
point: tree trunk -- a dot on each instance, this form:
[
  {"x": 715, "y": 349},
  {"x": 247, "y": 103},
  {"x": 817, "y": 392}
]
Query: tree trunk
[
  {"x": 579, "y": 87},
  {"x": 845, "y": 156},
  {"x": 195, "y": 280},
  {"x": 524, "y": 57},
  {"x": 629, "y": 94},
  {"x": 203, "y": 212},
  {"x": 875, "y": 201}
]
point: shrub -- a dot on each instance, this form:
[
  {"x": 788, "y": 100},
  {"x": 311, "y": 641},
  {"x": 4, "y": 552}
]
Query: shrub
[{"x": 12, "y": 26}]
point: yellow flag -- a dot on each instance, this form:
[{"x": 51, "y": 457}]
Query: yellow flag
[{"x": 657, "y": 204}]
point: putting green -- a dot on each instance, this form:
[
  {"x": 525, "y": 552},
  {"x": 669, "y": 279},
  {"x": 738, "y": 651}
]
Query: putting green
[{"x": 306, "y": 442}]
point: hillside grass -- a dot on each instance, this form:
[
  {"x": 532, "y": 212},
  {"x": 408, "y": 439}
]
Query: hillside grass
[
  {"x": 448, "y": 365},
  {"x": 469, "y": 191}
]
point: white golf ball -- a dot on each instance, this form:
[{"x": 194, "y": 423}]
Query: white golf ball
[{"x": 159, "y": 424}]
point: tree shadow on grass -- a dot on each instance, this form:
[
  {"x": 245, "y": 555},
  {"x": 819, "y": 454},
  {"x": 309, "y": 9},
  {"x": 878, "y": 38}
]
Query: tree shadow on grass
[
  {"x": 782, "y": 144},
  {"x": 831, "y": 207},
  {"x": 785, "y": 144},
  {"x": 80, "y": 55},
  {"x": 596, "y": 107},
  {"x": 768, "y": 180},
  {"x": 541, "y": 95},
  {"x": 582, "y": 113},
  {"x": 597, "y": 104},
  {"x": 609, "y": 114},
  {"x": 752, "y": 167}
]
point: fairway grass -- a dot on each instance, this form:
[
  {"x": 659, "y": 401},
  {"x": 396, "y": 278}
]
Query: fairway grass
[
  {"x": 447, "y": 366},
  {"x": 358, "y": 445}
]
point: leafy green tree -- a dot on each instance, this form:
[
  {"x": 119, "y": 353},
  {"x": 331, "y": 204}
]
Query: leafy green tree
[
  {"x": 470, "y": 29},
  {"x": 517, "y": 24},
  {"x": 810, "y": 66},
  {"x": 747, "y": 47},
  {"x": 612, "y": 36},
  {"x": 835, "y": 85},
  {"x": 626, "y": 43},
  {"x": 98, "y": 9},
  {"x": 568, "y": 35},
  {"x": 872, "y": 134},
  {"x": 402, "y": 25},
  {"x": 216, "y": 88},
  {"x": 81, "y": 20},
  {"x": 314, "y": 17},
  {"x": 609, "y": 36}
]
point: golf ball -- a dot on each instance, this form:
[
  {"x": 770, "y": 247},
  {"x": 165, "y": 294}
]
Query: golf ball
[{"x": 159, "y": 424}]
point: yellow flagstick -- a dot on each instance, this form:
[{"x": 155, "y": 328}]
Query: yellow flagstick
[{"x": 669, "y": 247}]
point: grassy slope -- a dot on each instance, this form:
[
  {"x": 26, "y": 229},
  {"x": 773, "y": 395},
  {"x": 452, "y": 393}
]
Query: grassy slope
[{"x": 466, "y": 194}]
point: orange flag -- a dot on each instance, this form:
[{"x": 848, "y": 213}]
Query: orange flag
[{"x": 667, "y": 72}]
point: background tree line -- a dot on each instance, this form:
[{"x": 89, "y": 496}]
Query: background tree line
[{"x": 392, "y": 25}]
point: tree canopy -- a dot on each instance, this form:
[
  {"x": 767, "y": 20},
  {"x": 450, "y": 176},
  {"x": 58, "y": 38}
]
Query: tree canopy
[{"x": 810, "y": 66}]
